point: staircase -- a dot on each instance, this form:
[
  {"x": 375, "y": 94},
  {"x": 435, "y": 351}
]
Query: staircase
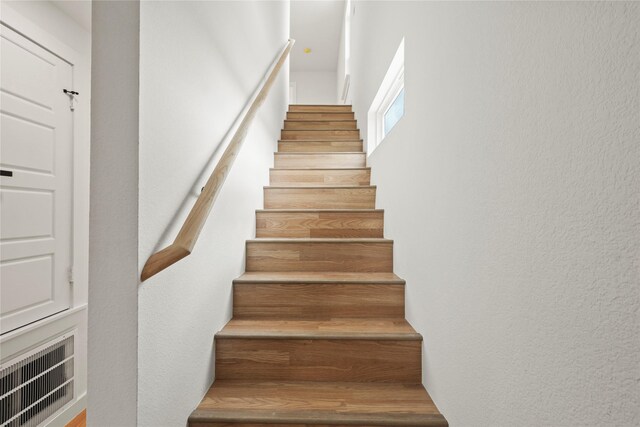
[{"x": 318, "y": 335}]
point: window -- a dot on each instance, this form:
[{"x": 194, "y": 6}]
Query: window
[
  {"x": 387, "y": 107},
  {"x": 394, "y": 113}
]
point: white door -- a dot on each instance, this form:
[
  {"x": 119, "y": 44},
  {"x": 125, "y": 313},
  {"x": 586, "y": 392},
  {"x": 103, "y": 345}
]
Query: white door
[{"x": 36, "y": 152}]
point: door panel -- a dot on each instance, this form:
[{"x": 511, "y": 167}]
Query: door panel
[
  {"x": 15, "y": 203},
  {"x": 27, "y": 145},
  {"x": 35, "y": 202},
  {"x": 32, "y": 273}
]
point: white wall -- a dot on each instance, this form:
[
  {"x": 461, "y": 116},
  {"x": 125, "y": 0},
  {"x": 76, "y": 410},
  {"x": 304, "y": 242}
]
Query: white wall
[
  {"x": 340, "y": 67},
  {"x": 113, "y": 273},
  {"x": 511, "y": 190},
  {"x": 49, "y": 26},
  {"x": 315, "y": 87},
  {"x": 200, "y": 64}
]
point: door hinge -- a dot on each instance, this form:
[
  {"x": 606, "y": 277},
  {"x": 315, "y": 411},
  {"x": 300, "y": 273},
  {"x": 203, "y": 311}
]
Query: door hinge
[{"x": 70, "y": 275}]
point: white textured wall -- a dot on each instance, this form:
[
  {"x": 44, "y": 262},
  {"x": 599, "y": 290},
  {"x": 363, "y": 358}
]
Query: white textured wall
[
  {"x": 511, "y": 190},
  {"x": 341, "y": 70},
  {"x": 315, "y": 87},
  {"x": 113, "y": 248},
  {"x": 200, "y": 64}
]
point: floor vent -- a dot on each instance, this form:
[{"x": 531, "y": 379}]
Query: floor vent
[{"x": 37, "y": 384}]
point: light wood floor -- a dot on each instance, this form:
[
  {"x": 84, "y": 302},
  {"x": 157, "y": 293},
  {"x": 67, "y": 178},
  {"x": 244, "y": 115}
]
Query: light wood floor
[{"x": 79, "y": 420}]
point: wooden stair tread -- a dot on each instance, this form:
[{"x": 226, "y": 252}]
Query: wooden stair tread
[
  {"x": 321, "y": 121},
  {"x": 309, "y": 134},
  {"x": 320, "y": 153},
  {"x": 320, "y": 210},
  {"x": 307, "y": 187},
  {"x": 316, "y": 112},
  {"x": 316, "y": 130},
  {"x": 320, "y": 124},
  {"x": 324, "y": 403},
  {"x": 347, "y": 328},
  {"x": 298, "y": 240},
  {"x": 323, "y": 169},
  {"x": 317, "y": 277},
  {"x": 321, "y": 105},
  {"x": 319, "y": 108},
  {"x": 304, "y": 141},
  {"x": 320, "y": 115}
]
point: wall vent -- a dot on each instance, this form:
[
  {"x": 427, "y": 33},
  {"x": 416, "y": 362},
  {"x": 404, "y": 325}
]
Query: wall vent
[{"x": 36, "y": 384}]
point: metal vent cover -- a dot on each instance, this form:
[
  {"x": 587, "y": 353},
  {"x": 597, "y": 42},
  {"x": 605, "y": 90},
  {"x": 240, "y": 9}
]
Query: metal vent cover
[{"x": 36, "y": 384}]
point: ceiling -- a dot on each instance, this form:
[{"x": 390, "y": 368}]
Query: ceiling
[
  {"x": 79, "y": 11},
  {"x": 316, "y": 24}
]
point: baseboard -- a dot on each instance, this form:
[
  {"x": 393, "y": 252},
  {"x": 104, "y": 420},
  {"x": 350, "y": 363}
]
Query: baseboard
[{"x": 68, "y": 413}]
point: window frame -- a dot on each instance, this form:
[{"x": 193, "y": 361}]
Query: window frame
[{"x": 391, "y": 86}]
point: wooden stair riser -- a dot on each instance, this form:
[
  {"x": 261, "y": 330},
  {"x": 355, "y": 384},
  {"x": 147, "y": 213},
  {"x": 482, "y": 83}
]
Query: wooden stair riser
[
  {"x": 436, "y": 423},
  {"x": 432, "y": 421},
  {"x": 297, "y": 404},
  {"x": 319, "y": 146},
  {"x": 319, "y": 160},
  {"x": 301, "y": 135},
  {"x": 349, "y": 255},
  {"x": 314, "y": 117},
  {"x": 319, "y": 177},
  {"x": 320, "y": 125},
  {"x": 320, "y": 223},
  {"x": 299, "y": 108},
  {"x": 257, "y": 424},
  {"x": 358, "y": 360},
  {"x": 320, "y": 198},
  {"x": 317, "y": 301}
]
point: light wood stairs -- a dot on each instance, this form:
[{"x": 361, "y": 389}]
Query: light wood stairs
[{"x": 318, "y": 335}]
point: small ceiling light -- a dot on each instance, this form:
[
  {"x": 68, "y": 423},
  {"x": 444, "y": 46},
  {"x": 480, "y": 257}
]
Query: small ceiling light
[{"x": 307, "y": 50}]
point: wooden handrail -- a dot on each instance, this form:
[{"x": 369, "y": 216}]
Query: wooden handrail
[{"x": 188, "y": 235}]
